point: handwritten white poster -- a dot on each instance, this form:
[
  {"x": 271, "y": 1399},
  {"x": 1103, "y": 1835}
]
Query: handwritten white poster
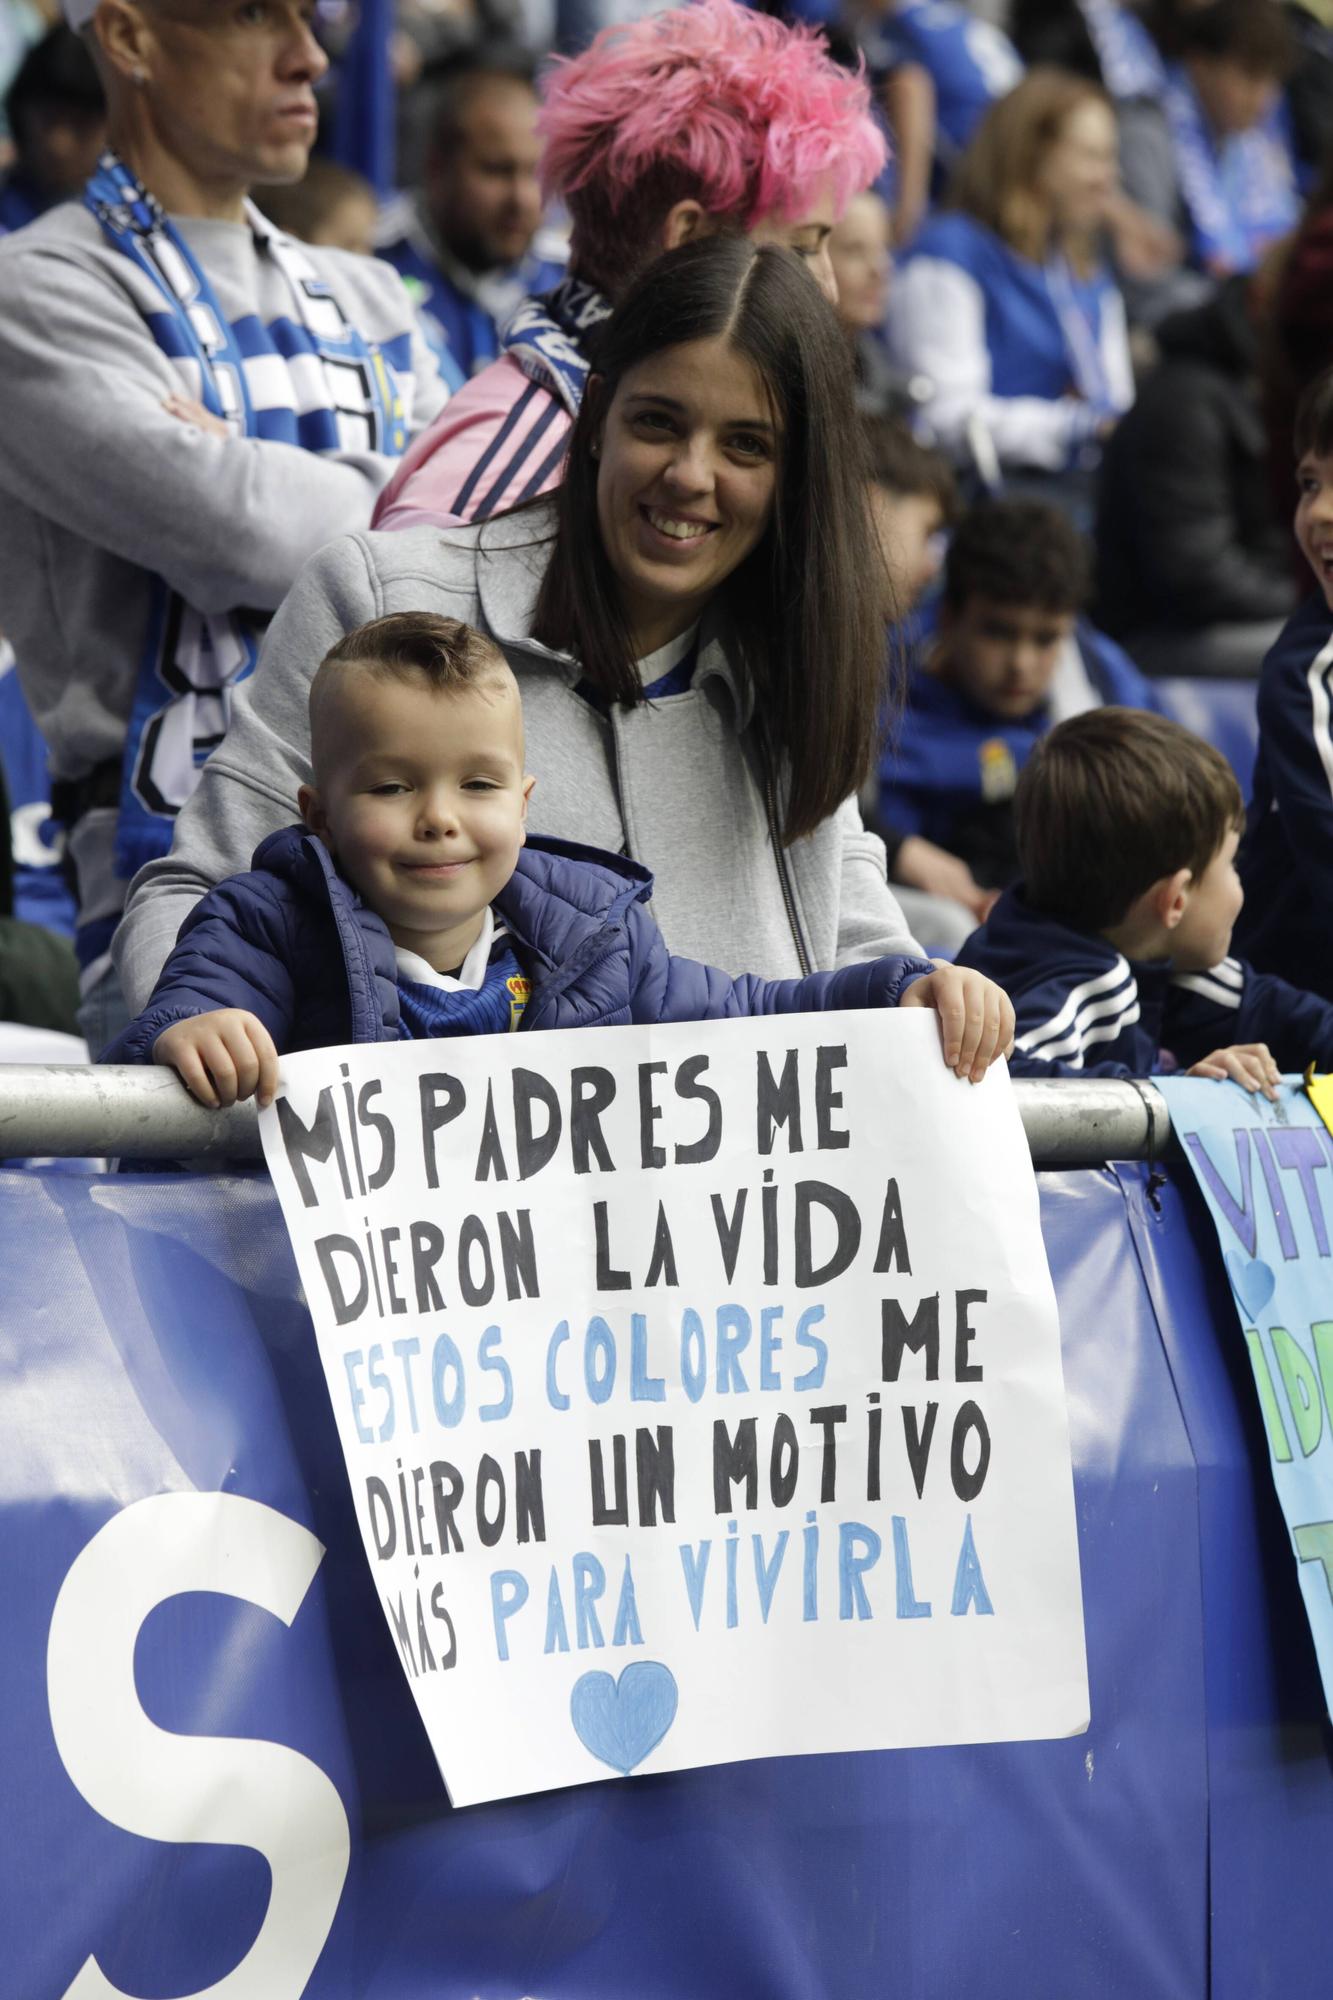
[{"x": 700, "y": 1391}]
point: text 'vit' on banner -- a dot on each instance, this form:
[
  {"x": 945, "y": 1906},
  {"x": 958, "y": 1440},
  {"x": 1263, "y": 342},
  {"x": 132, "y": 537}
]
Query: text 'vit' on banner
[
  {"x": 1266, "y": 1174},
  {"x": 700, "y": 1391}
]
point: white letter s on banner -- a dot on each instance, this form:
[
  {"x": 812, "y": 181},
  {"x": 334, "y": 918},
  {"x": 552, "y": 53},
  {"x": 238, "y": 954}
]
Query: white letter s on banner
[{"x": 234, "y": 1791}]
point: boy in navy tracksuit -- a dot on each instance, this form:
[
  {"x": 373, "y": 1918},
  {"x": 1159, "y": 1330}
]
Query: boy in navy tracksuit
[
  {"x": 1114, "y": 947},
  {"x": 1011, "y": 658},
  {"x": 1286, "y": 861},
  {"x": 410, "y": 904}
]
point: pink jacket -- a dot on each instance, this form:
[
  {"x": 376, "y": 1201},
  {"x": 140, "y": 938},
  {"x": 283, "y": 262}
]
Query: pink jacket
[{"x": 497, "y": 442}]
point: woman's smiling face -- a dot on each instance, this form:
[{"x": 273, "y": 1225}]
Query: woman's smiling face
[{"x": 686, "y": 482}]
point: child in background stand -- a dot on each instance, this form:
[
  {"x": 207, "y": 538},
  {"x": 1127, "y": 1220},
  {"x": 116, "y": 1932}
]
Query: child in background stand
[
  {"x": 1009, "y": 659},
  {"x": 411, "y": 904},
  {"x": 1115, "y": 945}
]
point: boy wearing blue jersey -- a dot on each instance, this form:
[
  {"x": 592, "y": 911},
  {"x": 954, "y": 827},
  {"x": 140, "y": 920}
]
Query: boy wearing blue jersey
[
  {"x": 1287, "y": 860},
  {"x": 1115, "y": 945},
  {"x": 1010, "y": 656}
]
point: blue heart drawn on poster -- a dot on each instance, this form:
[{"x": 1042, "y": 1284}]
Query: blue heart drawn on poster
[
  {"x": 621, "y": 1721},
  {"x": 1252, "y": 1282}
]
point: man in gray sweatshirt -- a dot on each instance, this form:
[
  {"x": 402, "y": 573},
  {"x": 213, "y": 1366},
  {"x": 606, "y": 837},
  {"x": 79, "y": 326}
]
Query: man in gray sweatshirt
[{"x": 191, "y": 405}]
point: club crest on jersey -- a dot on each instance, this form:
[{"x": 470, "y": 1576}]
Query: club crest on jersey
[
  {"x": 999, "y": 773},
  {"x": 519, "y": 991}
]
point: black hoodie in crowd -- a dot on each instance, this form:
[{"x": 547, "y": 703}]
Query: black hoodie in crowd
[{"x": 1185, "y": 533}]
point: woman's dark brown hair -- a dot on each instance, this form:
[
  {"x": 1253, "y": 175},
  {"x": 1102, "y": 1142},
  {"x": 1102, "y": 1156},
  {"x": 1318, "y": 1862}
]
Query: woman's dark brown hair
[{"x": 805, "y": 610}]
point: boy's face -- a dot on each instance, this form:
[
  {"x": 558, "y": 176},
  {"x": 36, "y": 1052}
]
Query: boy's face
[
  {"x": 421, "y": 798},
  {"x": 1003, "y": 657},
  {"x": 1202, "y": 938},
  {"x": 1314, "y": 519},
  {"x": 1234, "y": 98},
  {"x": 909, "y": 527}
]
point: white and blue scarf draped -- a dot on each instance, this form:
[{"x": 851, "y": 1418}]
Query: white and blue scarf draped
[
  {"x": 1078, "y": 307},
  {"x": 1240, "y": 195},
  {"x": 309, "y": 380},
  {"x": 548, "y": 338},
  {"x": 1130, "y": 63}
]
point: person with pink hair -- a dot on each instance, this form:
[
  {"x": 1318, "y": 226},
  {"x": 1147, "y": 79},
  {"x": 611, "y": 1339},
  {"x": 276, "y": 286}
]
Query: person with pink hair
[{"x": 704, "y": 118}]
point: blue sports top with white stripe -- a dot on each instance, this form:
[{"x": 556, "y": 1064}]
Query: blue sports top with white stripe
[
  {"x": 1286, "y": 859},
  {"x": 1084, "y": 1009}
]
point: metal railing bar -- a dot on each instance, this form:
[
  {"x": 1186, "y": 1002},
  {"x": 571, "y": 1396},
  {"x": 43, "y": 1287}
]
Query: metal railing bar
[{"x": 76, "y": 1111}]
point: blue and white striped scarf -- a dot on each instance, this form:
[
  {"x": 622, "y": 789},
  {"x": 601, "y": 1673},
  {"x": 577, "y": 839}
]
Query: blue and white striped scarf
[
  {"x": 309, "y": 380},
  {"x": 548, "y": 338},
  {"x": 1130, "y": 63},
  {"x": 1241, "y": 194}
]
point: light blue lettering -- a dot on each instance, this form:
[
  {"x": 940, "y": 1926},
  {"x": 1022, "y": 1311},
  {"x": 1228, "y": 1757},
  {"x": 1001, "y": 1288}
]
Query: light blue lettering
[
  {"x": 599, "y": 1340},
  {"x": 509, "y": 1593},
  {"x": 589, "y": 1586},
  {"x": 693, "y": 1355},
  {"x": 407, "y": 1350},
  {"x": 557, "y": 1634},
  {"x": 767, "y": 1571},
  {"x": 555, "y": 1396},
  {"x": 491, "y": 1413},
  {"x": 969, "y": 1585},
  {"x": 627, "y": 1632},
  {"x": 443, "y": 1357},
  {"x": 379, "y": 1380},
  {"x": 351, "y": 1362},
  {"x": 769, "y": 1345},
  {"x": 809, "y": 1566},
  {"x": 813, "y": 1377},
  {"x": 694, "y": 1562},
  {"x": 643, "y": 1387},
  {"x": 733, "y": 1337},
  {"x": 909, "y": 1604},
  {"x": 858, "y": 1550}
]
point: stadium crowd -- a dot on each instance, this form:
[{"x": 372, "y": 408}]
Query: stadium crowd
[{"x": 842, "y": 494}]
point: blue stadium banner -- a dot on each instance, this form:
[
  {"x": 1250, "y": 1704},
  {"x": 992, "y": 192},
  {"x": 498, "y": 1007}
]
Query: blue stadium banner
[
  {"x": 216, "y": 1784},
  {"x": 1266, "y": 1173}
]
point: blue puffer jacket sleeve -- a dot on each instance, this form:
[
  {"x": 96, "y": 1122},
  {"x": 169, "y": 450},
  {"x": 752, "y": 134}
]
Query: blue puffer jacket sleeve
[
  {"x": 235, "y": 949},
  {"x": 665, "y": 988}
]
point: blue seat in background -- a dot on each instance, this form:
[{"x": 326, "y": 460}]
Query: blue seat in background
[
  {"x": 1222, "y": 712},
  {"x": 41, "y": 893}
]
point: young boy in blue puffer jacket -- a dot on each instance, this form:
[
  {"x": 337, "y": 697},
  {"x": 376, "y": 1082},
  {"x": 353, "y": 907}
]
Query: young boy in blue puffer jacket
[{"x": 410, "y": 903}]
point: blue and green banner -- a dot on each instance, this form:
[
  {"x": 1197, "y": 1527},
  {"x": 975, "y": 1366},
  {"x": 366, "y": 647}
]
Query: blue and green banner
[{"x": 1266, "y": 1173}]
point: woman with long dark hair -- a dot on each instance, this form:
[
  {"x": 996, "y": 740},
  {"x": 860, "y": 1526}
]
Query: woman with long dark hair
[{"x": 695, "y": 620}]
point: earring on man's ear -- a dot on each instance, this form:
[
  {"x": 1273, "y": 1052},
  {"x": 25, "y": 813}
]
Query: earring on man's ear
[{"x": 139, "y": 77}]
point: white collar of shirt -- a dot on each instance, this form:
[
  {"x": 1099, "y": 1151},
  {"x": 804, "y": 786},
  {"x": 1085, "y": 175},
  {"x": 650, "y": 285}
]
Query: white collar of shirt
[
  {"x": 653, "y": 665},
  {"x": 470, "y": 973},
  {"x": 1071, "y": 691}
]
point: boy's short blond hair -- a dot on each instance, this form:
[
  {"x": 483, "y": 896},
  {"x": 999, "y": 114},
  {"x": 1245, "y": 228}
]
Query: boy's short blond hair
[
  {"x": 1112, "y": 801},
  {"x": 448, "y": 655}
]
